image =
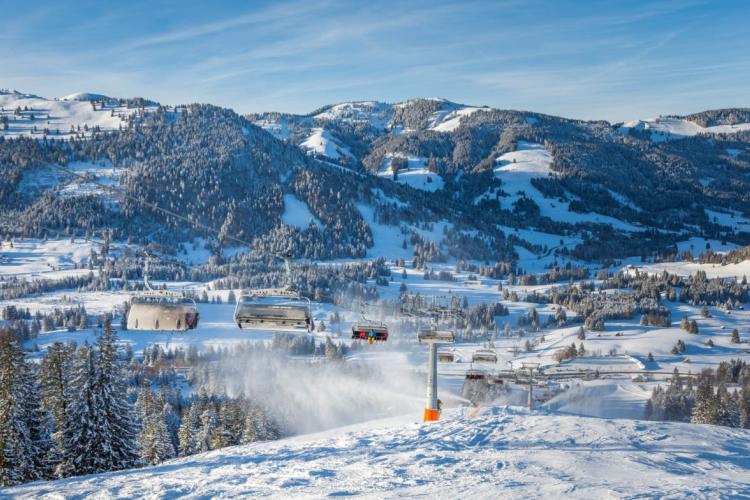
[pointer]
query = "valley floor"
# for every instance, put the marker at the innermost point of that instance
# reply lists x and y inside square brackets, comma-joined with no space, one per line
[502,452]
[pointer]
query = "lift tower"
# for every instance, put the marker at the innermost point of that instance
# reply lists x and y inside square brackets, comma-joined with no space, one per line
[433,338]
[530,367]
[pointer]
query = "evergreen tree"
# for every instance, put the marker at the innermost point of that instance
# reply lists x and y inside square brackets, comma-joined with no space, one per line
[101,434]
[80,455]
[189,430]
[208,425]
[706,409]
[24,426]
[120,449]
[744,407]
[154,440]
[55,366]
[735,338]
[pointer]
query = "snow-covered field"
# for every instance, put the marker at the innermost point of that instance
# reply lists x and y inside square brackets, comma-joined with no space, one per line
[416,174]
[30,115]
[585,424]
[667,128]
[517,168]
[51,259]
[503,452]
[321,142]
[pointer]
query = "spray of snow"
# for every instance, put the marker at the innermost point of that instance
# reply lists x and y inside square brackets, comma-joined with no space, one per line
[309,396]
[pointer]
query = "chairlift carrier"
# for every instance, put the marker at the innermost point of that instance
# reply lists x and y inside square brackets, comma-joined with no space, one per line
[484,356]
[446,356]
[274,308]
[371,331]
[161,310]
[474,374]
[436,336]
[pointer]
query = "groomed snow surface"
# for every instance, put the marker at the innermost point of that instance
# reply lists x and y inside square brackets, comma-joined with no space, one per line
[501,453]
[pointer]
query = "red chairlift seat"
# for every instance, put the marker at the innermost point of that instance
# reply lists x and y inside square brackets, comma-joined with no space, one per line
[371,331]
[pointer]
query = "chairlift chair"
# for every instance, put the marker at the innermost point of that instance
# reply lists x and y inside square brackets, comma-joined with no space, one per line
[484,356]
[371,331]
[474,374]
[275,309]
[436,336]
[161,310]
[446,356]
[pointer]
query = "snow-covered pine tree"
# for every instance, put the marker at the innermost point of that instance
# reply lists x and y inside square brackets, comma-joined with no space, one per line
[706,408]
[80,433]
[119,450]
[188,432]
[101,433]
[154,440]
[208,424]
[744,405]
[24,426]
[230,419]
[38,421]
[53,377]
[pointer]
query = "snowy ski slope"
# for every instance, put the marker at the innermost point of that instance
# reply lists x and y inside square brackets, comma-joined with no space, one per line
[502,453]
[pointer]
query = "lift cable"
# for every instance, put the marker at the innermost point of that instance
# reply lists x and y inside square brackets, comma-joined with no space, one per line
[153,206]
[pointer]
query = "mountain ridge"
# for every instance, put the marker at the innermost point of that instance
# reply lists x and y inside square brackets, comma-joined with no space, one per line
[608,191]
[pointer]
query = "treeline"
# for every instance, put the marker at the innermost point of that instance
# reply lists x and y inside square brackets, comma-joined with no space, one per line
[94,408]
[66,417]
[707,400]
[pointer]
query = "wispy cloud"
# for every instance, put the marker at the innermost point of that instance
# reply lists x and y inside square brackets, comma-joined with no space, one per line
[572,58]
[278,11]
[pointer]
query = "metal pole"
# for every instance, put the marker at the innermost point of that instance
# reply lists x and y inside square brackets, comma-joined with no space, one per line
[531,388]
[432,412]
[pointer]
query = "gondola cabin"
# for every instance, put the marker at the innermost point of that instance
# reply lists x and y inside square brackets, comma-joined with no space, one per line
[370,331]
[484,356]
[162,316]
[262,312]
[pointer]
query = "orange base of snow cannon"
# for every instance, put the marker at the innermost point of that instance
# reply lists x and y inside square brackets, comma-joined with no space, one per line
[431,415]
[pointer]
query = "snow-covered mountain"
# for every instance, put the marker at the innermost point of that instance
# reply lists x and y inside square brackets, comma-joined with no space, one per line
[604,190]
[502,452]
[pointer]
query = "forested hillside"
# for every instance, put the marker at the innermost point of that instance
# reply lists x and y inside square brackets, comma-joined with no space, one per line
[593,190]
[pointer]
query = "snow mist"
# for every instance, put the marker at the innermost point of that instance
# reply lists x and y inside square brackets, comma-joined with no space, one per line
[309,395]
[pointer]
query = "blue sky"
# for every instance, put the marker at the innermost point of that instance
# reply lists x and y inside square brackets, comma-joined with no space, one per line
[609,60]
